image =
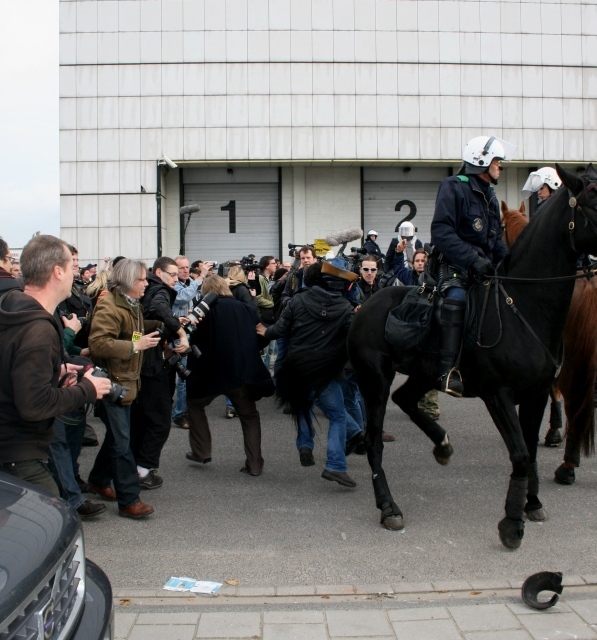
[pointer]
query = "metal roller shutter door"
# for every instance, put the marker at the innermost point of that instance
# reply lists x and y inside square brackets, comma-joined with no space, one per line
[208,236]
[380,199]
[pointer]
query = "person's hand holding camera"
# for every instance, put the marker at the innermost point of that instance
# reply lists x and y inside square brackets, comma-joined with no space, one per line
[72,323]
[148,341]
[205,267]
[102,385]
[401,246]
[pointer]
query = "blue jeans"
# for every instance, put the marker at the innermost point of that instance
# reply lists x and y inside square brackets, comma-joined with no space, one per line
[282,348]
[115,461]
[352,398]
[342,426]
[61,464]
[180,406]
[75,435]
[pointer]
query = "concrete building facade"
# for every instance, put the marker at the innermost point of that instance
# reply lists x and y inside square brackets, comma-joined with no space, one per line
[289,119]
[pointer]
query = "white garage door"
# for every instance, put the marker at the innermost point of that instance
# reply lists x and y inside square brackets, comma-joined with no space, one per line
[236,218]
[382,194]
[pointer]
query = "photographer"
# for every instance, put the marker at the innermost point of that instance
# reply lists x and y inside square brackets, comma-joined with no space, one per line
[37,384]
[230,365]
[187,289]
[150,413]
[117,341]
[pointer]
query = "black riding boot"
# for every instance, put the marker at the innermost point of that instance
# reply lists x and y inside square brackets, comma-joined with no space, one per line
[451,323]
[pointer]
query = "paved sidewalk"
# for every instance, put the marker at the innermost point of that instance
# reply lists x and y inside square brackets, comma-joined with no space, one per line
[443,611]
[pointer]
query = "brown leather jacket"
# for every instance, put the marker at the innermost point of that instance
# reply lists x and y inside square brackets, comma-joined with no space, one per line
[110,341]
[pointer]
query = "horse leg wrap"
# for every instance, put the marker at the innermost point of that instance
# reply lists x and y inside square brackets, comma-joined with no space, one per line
[516,497]
[533,508]
[555,414]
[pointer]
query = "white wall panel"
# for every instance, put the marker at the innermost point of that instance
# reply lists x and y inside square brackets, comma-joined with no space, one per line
[277,79]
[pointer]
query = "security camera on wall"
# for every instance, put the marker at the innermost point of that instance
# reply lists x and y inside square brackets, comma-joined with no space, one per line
[170,163]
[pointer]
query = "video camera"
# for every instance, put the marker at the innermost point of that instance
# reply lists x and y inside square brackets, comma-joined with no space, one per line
[294,249]
[248,264]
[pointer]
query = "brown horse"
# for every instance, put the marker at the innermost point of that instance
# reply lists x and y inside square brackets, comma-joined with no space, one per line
[576,381]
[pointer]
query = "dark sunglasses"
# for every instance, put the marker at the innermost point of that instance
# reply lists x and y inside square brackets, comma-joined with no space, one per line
[373,269]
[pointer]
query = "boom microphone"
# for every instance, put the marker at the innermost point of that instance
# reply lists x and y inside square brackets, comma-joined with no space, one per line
[346,235]
[189,209]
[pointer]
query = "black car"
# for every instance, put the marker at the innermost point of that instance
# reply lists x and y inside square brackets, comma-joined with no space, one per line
[48,589]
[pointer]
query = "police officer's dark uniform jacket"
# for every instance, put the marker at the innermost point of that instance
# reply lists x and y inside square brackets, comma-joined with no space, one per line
[466,224]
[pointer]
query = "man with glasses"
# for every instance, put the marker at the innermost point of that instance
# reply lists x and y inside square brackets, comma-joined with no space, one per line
[466,231]
[150,413]
[187,289]
[368,283]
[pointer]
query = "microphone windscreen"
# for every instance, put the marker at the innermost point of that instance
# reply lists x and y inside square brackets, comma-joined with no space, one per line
[189,209]
[346,235]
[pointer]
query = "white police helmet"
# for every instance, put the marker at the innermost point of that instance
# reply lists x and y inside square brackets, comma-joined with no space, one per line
[407,230]
[372,233]
[480,151]
[536,179]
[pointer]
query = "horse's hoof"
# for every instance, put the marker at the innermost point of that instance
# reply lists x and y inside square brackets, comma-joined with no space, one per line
[393,523]
[443,453]
[511,533]
[564,475]
[537,515]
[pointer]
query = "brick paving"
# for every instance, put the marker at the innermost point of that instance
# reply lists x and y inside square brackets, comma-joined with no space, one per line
[489,610]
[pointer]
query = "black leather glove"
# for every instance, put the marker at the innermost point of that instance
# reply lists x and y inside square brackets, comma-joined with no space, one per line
[482,267]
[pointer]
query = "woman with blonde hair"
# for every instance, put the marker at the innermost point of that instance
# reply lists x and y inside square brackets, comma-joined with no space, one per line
[239,286]
[98,287]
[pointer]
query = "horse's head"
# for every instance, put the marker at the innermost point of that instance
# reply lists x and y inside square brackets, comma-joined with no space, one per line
[513,222]
[582,192]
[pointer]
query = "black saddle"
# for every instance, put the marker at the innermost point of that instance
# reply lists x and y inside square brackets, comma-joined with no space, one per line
[414,325]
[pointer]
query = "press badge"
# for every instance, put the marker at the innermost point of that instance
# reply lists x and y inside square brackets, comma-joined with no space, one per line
[137,335]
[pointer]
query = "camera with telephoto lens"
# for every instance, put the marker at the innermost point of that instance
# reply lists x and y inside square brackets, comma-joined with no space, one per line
[175,360]
[199,312]
[117,392]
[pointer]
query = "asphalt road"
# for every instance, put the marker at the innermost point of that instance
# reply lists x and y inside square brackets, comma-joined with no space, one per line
[289,526]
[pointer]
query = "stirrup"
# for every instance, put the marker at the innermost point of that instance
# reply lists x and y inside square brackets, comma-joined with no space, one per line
[451,383]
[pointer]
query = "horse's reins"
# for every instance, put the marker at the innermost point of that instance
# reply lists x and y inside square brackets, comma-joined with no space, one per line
[587,273]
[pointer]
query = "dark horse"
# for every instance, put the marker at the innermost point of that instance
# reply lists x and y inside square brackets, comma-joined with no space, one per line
[513,362]
[579,370]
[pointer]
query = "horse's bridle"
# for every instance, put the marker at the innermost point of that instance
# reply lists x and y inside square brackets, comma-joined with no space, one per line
[577,206]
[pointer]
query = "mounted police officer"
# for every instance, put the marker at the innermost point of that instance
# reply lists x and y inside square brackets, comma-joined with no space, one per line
[544,182]
[466,231]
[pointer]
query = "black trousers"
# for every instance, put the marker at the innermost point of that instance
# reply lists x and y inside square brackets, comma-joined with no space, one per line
[150,420]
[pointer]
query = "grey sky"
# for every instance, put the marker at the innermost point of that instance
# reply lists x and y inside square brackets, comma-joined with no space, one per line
[29,179]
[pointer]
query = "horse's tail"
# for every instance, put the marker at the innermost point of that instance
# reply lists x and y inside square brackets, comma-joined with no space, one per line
[577,379]
[304,372]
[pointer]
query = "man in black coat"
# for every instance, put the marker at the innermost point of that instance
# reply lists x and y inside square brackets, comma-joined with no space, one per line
[316,323]
[151,411]
[230,365]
